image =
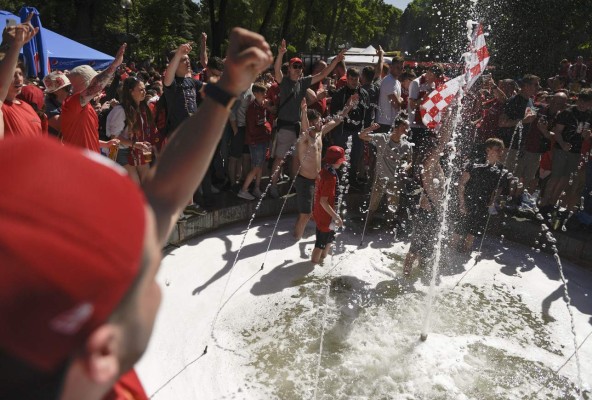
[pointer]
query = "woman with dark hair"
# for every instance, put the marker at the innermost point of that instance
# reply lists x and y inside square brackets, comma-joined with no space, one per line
[132,123]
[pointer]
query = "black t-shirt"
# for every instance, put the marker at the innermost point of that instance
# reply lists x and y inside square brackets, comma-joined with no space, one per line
[573,121]
[358,115]
[182,100]
[483,182]
[515,109]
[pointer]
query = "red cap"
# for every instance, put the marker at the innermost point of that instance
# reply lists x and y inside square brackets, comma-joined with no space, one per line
[32,95]
[71,243]
[295,60]
[334,155]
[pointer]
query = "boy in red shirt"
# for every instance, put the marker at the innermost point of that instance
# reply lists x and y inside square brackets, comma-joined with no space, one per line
[258,133]
[323,211]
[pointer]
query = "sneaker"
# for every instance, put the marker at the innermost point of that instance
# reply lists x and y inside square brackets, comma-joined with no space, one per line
[273,192]
[243,194]
[194,209]
[257,192]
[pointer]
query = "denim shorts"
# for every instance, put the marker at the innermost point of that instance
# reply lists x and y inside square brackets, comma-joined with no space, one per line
[258,154]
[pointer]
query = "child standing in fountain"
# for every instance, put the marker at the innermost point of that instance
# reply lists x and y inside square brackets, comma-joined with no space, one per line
[324,203]
[476,189]
[394,159]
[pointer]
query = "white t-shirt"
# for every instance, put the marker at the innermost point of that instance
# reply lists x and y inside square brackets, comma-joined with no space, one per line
[115,127]
[417,89]
[386,112]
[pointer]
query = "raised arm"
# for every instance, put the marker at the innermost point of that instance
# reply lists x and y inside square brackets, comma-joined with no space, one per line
[379,63]
[171,69]
[304,124]
[277,66]
[99,82]
[203,50]
[13,39]
[351,103]
[327,70]
[365,133]
[187,156]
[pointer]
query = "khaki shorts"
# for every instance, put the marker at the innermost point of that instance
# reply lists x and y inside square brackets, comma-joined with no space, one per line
[284,140]
[528,165]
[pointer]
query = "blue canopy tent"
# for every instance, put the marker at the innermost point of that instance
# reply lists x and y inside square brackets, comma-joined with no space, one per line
[63,53]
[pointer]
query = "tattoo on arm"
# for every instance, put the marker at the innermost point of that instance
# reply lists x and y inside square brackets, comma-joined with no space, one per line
[97,84]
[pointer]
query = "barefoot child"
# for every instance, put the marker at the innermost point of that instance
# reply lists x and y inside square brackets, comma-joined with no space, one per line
[324,203]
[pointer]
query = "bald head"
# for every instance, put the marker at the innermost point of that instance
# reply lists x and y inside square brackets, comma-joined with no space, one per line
[558,101]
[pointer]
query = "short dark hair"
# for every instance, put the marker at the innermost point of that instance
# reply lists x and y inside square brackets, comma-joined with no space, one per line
[529,79]
[585,95]
[402,118]
[353,72]
[368,73]
[312,114]
[494,142]
[258,88]
[407,75]
[437,69]
[216,63]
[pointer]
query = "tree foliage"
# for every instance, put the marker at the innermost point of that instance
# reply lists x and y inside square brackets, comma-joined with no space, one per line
[160,25]
[523,37]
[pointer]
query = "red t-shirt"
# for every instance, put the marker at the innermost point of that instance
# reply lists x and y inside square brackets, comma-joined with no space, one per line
[80,125]
[320,105]
[258,128]
[20,120]
[324,187]
[128,387]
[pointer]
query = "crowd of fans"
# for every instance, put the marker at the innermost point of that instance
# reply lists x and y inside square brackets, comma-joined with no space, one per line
[519,146]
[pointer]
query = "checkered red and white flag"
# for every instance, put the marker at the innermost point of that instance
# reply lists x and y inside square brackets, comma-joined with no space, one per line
[437,101]
[477,58]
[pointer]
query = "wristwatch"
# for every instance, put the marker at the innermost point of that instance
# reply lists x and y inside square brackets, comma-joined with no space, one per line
[219,95]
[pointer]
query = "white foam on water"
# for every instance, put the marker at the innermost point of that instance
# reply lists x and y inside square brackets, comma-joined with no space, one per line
[489,339]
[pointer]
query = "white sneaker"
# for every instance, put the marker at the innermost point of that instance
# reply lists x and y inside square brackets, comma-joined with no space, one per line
[243,194]
[257,192]
[273,192]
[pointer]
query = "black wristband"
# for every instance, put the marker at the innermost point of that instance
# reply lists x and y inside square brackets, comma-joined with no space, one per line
[219,95]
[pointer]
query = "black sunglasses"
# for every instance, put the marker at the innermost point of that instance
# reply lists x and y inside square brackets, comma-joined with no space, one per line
[297,66]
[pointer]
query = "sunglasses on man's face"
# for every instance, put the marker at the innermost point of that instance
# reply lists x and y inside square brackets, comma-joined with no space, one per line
[297,66]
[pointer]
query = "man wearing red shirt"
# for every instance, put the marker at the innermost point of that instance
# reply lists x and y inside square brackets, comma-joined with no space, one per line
[18,117]
[324,203]
[80,123]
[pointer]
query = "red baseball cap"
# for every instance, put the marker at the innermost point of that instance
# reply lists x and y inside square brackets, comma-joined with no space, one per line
[71,242]
[295,60]
[334,155]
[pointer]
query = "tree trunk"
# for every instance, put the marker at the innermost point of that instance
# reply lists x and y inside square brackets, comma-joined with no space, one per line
[84,16]
[332,27]
[307,21]
[287,20]
[218,25]
[267,18]
[339,23]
